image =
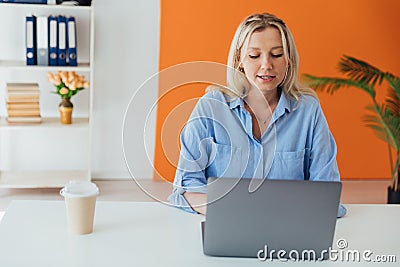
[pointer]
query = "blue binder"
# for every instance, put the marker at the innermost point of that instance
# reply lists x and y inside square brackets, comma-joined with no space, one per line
[30,40]
[71,41]
[62,41]
[53,41]
[25,1]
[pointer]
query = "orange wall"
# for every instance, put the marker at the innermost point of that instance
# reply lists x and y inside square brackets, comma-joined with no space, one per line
[323,31]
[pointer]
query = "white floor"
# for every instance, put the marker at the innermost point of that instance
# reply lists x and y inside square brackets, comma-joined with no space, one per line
[354,191]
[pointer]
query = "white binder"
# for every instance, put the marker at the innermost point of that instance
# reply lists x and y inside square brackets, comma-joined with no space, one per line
[42,41]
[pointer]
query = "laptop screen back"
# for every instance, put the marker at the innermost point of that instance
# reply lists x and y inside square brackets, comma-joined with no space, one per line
[281,214]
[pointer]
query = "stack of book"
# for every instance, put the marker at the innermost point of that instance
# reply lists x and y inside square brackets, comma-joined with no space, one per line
[23,103]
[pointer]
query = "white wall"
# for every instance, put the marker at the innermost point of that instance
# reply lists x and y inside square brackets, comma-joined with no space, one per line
[126,55]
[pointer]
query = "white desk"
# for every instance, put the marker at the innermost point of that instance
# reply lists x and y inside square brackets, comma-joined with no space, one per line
[34,233]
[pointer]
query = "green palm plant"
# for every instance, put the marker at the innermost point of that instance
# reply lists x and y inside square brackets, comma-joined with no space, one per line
[383,118]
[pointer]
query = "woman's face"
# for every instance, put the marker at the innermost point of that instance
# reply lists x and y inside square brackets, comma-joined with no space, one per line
[264,63]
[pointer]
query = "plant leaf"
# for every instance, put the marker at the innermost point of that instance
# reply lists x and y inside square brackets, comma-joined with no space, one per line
[394,83]
[331,85]
[385,125]
[360,71]
[392,102]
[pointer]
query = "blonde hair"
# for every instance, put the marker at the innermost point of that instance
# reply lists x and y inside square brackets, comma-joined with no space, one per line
[238,85]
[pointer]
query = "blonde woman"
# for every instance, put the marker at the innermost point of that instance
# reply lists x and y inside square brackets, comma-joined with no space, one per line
[262,125]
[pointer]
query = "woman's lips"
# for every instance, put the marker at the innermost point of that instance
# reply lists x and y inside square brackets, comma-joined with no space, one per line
[266,78]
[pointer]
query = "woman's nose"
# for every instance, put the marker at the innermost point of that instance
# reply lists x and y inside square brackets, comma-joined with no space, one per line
[266,63]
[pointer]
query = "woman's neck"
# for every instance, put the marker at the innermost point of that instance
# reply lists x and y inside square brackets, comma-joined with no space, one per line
[261,102]
[261,107]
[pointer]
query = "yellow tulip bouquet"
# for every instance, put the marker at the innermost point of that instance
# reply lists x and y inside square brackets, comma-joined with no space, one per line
[67,83]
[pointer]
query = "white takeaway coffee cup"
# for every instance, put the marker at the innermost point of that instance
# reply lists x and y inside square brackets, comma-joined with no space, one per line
[80,201]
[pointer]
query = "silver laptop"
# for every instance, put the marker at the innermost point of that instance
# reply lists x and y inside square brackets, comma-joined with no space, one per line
[298,217]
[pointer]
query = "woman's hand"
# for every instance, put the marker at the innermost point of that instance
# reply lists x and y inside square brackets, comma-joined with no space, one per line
[197,201]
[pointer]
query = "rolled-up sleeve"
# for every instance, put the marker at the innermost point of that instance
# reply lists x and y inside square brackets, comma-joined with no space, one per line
[323,164]
[341,211]
[193,159]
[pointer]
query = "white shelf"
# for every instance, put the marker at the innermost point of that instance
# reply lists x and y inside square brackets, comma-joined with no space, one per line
[41,6]
[40,179]
[29,152]
[46,123]
[21,65]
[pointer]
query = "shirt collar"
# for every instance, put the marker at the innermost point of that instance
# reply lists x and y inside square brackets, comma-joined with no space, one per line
[235,103]
[284,104]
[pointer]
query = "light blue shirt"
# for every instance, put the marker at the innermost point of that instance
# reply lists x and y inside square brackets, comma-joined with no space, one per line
[218,141]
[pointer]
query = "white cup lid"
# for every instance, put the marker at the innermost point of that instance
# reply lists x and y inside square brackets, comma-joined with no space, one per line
[79,189]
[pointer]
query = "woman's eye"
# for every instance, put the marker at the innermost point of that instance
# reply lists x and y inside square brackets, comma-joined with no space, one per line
[253,56]
[276,55]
